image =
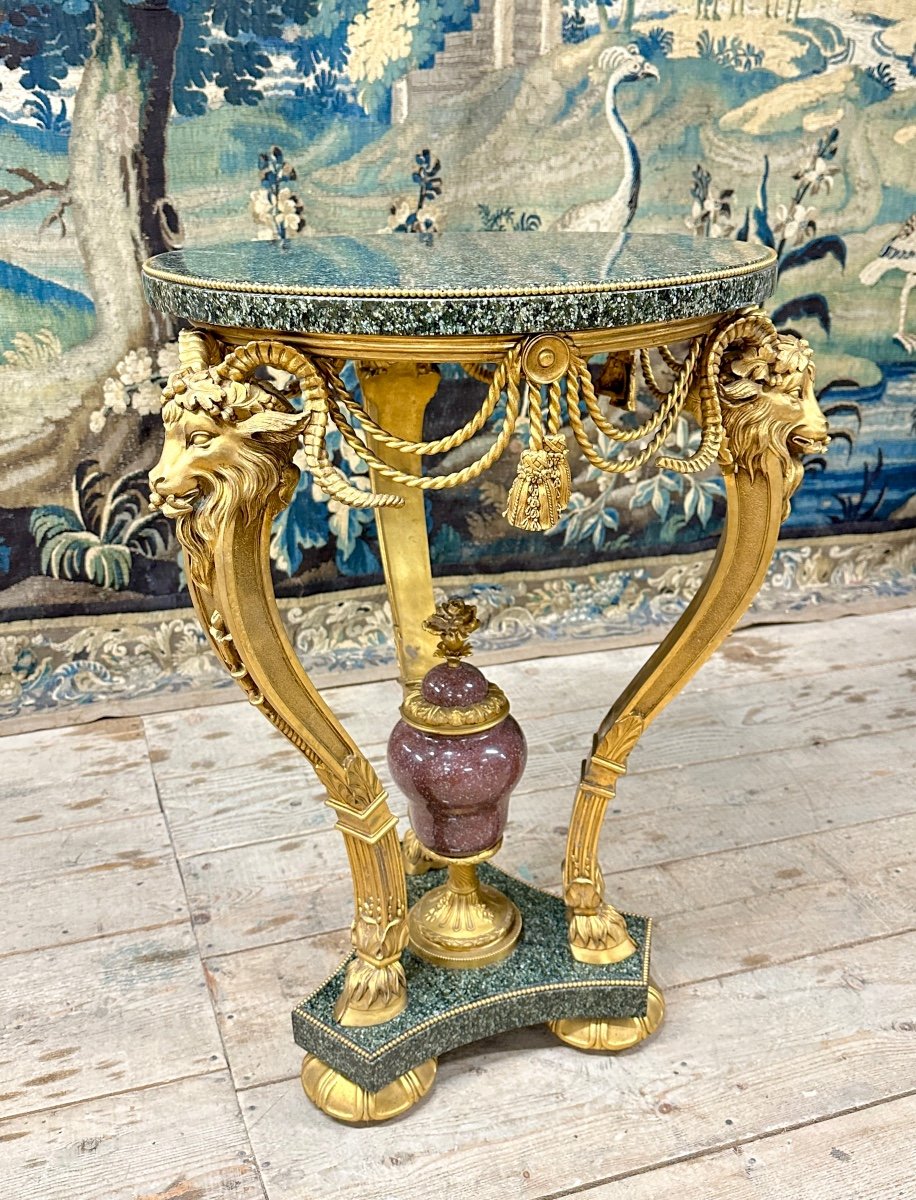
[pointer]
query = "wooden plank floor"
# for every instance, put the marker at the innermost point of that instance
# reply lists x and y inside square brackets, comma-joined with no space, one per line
[170,886]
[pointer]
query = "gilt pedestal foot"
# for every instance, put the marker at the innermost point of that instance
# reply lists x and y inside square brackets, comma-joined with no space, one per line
[346,1101]
[610,1034]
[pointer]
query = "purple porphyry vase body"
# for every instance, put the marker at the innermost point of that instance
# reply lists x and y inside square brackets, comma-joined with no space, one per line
[457,785]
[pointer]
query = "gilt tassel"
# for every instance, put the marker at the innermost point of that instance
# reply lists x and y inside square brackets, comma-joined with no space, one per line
[541,488]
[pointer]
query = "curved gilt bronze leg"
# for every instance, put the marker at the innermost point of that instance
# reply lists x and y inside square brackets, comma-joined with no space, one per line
[770,417]
[226,470]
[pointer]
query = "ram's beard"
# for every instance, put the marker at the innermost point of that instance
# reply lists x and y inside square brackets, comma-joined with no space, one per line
[756,435]
[245,489]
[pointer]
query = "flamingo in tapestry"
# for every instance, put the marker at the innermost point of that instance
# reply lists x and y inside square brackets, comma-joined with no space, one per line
[614,213]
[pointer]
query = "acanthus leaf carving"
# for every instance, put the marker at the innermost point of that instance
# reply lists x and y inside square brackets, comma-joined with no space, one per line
[620,739]
[359,787]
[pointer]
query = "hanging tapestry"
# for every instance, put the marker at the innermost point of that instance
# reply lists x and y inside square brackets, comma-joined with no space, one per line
[131,128]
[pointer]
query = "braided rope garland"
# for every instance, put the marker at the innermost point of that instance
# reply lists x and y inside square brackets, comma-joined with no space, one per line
[542,486]
[507,377]
[342,398]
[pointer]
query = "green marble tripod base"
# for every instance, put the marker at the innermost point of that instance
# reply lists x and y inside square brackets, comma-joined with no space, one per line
[539,982]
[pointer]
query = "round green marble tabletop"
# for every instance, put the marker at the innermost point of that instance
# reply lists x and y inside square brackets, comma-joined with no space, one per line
[459,283]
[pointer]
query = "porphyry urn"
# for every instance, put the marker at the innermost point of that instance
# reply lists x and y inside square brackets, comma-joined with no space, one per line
[457,754]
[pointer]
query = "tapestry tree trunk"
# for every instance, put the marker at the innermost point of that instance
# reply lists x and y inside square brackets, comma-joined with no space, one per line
[104,182]
[156,31]
[120,215]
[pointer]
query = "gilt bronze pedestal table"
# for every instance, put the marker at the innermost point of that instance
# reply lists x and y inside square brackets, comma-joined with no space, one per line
[446,947]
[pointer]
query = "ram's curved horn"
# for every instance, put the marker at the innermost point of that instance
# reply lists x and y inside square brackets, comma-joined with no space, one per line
[241,364]
[750,326]
[197,350]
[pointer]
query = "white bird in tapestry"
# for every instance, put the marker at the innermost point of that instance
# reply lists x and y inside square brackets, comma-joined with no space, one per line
[613,213]
[898,255]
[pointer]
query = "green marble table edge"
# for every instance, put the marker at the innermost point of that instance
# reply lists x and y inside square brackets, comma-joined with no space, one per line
[467,1022]
[494,317]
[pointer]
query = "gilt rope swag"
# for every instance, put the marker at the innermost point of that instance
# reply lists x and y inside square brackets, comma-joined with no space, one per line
[548,365]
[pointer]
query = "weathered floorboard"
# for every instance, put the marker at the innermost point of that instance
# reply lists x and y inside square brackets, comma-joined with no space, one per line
[865,1155]
[268,892]
[254,993]
[178,1141]
[75,776]
[112,1014]
[86,881]
[701,808]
